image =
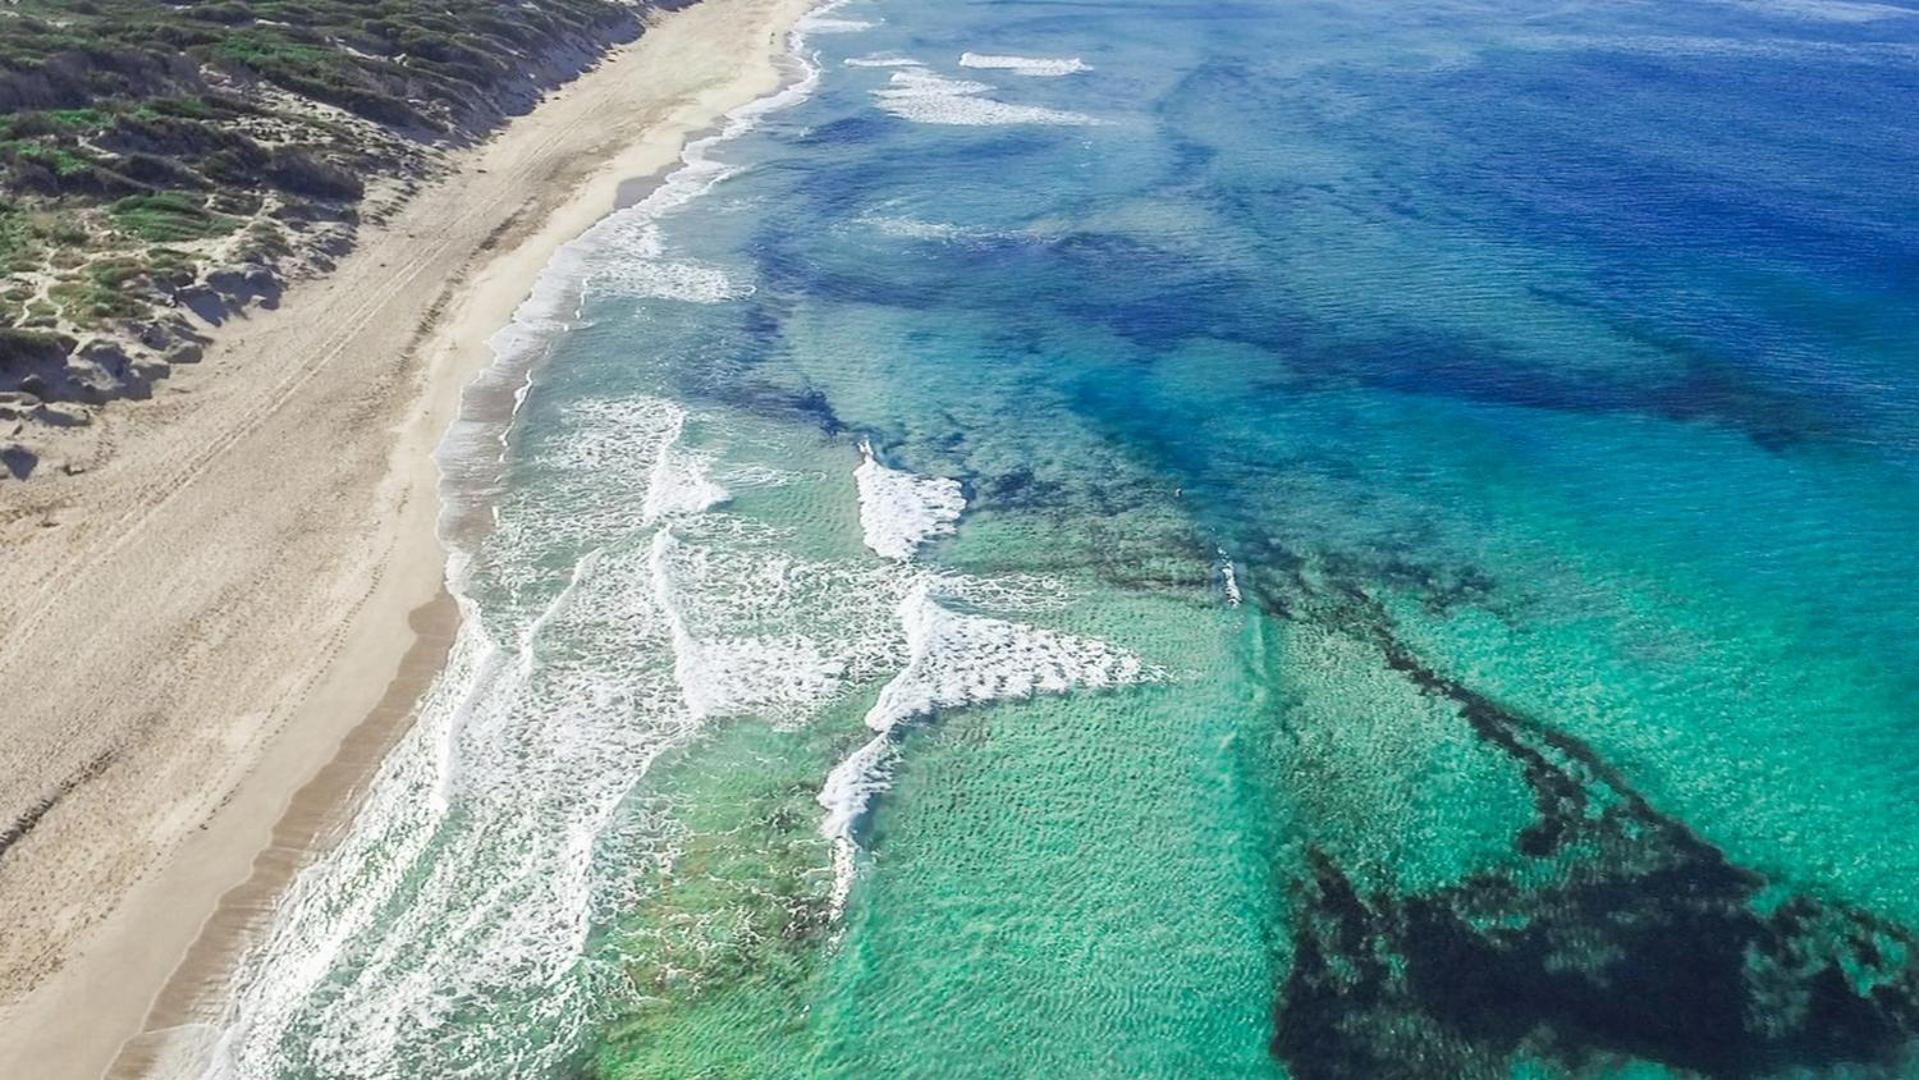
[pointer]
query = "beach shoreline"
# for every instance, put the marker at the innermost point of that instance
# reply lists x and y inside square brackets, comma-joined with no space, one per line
[253,581]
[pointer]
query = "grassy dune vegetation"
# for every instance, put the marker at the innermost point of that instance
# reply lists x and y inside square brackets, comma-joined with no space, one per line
[158,158]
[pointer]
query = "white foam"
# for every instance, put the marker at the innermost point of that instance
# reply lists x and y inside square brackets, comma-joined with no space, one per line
[908,227]
[530,640]
[333,903]
[666,279]
[781,675]
[847,795]
[959,659]
[456,907]
[927,98]
[445,932]
[915,229]
[881,61]
[899,511]
[611,467]
[615,438]
[1036,66]
[453,917]
[818,25]
[678,483]
[1685,46]
[626,252]
[1842,11]
[1229,580]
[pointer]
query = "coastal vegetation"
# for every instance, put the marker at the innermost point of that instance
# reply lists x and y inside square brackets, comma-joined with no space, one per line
[165,165]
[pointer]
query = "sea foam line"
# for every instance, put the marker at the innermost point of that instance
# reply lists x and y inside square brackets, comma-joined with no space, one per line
[1036,66]
[879,61]
[924,97]
[449,942]
[625,252]
[455,910]
[1229,579]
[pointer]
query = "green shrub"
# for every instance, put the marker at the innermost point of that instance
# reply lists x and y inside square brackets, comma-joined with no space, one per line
[61,161]
[115,272]
[16,238]
[83,121]
[175,268]
[89,301]
[41,313]
[169,219]
[227,14]
[65,232]
[111,135]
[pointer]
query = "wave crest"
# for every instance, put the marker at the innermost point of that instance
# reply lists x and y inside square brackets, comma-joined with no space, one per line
[1036,66]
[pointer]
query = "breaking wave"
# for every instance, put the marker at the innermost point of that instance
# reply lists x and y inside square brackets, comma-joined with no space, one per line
[1037,66]
[924,97]
[900,511]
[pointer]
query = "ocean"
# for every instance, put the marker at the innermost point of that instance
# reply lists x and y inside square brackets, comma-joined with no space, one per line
[1168,539]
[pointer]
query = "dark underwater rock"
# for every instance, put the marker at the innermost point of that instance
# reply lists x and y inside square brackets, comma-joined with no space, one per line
[1615,933]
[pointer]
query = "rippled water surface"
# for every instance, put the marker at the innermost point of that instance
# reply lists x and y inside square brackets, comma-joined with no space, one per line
[1346,539]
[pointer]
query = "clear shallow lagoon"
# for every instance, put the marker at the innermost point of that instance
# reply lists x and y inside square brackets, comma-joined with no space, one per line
[1333,540]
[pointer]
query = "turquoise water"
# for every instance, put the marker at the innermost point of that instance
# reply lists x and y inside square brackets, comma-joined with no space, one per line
[1158,540]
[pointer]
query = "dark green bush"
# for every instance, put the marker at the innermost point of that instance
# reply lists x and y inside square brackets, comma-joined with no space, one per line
[169,218]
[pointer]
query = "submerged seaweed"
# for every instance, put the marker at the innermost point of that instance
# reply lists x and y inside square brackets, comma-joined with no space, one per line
[1617,932]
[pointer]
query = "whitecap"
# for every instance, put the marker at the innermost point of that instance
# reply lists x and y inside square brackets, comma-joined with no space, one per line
[899,510]
[1036,66]
[678,483]
[927,98]
[881,61]
[820,24]
[846,796]
[956,659]
[722,675]
[1229,580]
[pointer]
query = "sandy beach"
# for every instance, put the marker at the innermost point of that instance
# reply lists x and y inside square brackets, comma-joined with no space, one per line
[210,637]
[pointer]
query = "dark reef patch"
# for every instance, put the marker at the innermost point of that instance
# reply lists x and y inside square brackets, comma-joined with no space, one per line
[1617,932]
[784,403]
